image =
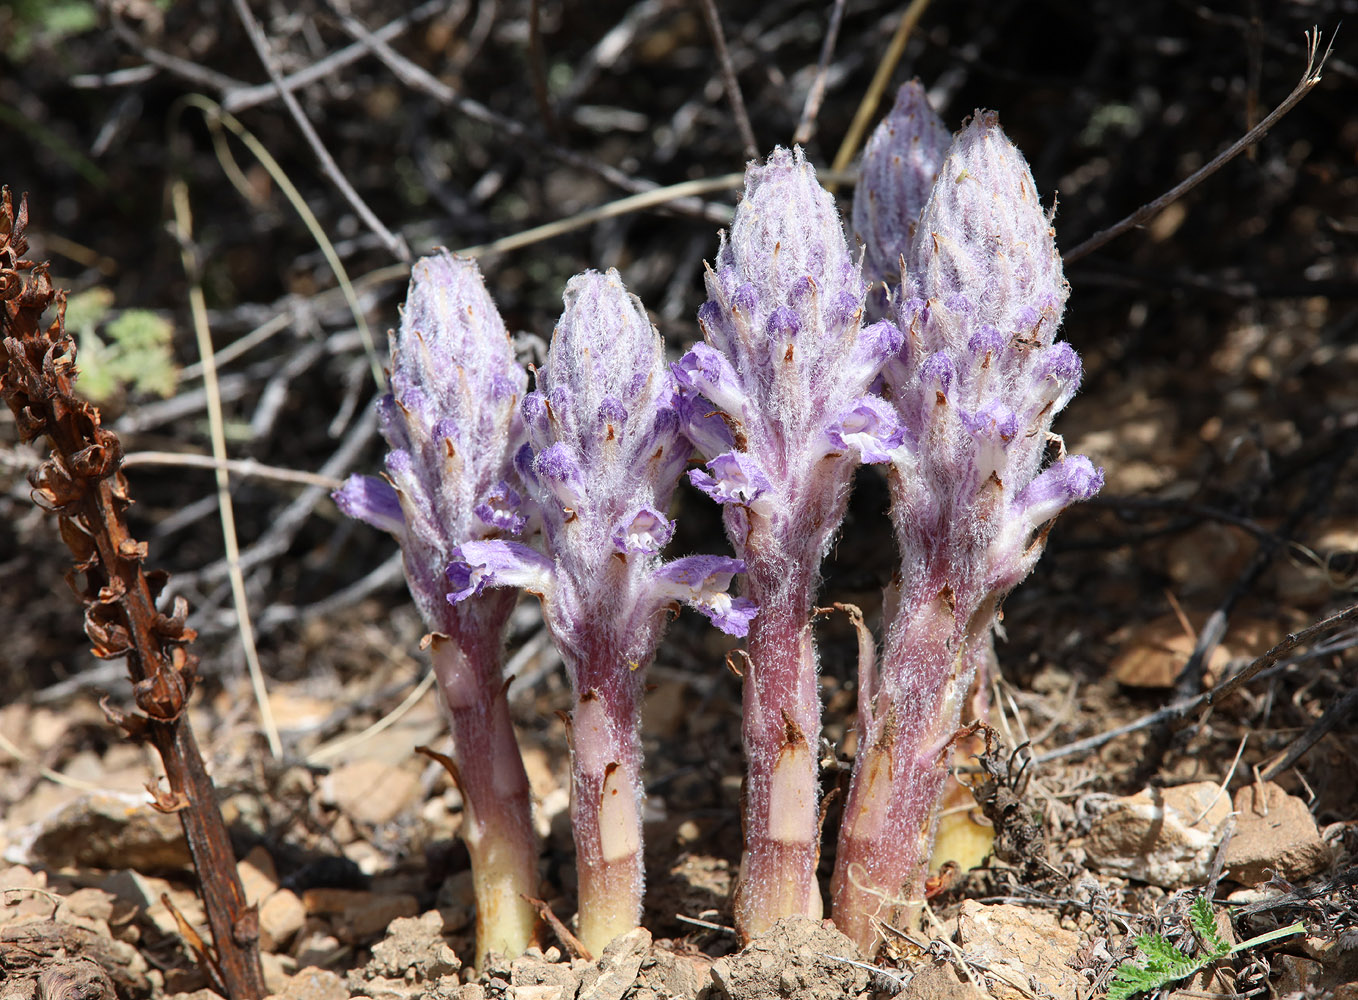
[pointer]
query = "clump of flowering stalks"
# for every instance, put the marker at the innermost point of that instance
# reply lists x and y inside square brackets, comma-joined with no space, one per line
[603,456]
[974,489]
[900,163]
[453,425]
[777,400]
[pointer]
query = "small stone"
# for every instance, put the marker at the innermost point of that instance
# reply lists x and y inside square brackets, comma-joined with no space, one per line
[357,915]
[314,984]
[258,876]
[939,981]
[1023,951]
[617,968]
[108,830]
[1162,836]
[370,792]
[413,948]
[281,916]
[278,969]
[1274,832]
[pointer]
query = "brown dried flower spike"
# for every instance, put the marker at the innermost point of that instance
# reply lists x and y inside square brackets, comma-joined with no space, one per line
[82,483]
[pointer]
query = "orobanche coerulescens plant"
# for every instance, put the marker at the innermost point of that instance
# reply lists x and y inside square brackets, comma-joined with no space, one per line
[453,424]
[604,455]
[565,492]
[786,362]
[974,488]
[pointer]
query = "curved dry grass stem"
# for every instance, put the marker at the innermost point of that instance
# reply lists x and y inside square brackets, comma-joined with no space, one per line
[867,107]
[217,428]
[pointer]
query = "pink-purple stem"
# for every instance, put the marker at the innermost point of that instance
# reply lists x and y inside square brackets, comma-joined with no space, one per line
[606,795]
[781,732]
[497,802]
[908,714]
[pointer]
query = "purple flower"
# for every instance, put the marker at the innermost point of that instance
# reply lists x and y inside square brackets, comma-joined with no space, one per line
[732,478]
[900,162]
[373,501]
[702,581]
[453,426]
[869,427]
[474,566]
[786,368]
[975,385]
[643,530]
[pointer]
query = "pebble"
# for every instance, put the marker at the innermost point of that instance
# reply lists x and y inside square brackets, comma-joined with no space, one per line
[1275,832]
[1023,950]
[1164,836]
[370,792]
[281,916]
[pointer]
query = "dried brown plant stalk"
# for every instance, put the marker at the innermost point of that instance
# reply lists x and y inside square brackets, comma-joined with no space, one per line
[82,483]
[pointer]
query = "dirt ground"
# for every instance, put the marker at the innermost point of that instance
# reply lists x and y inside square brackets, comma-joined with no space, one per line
[1220,345]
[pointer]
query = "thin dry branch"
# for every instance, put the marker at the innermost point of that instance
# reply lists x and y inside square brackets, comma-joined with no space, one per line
[1151,209]
[728,78]
[82,483]
[395,244]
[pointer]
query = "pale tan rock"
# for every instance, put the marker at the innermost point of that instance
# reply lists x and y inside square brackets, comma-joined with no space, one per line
[1162,836]
[357,915]
[1022,950]
[939,981]
[258,876]
[111,830]
[370,792]
[281,916]
[790,962]
[314,984]
[278,969]
[617,968]
[1274,832]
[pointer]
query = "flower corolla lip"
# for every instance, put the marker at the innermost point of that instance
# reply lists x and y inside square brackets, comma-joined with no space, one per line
[474,566]
[706,371]
[702,582]
[643,530]
[501,509]
[868,427]
[371,500]
[734,477]
[556,468]
[1072,479]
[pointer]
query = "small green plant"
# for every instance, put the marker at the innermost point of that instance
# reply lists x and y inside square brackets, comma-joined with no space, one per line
[1164,963]
[134,351]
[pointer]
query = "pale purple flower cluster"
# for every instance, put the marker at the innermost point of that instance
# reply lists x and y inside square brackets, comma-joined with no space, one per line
[900,162]
[778,402]
[452,422]
[604,454]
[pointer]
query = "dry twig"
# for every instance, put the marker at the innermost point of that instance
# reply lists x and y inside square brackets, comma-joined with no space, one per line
[82,483]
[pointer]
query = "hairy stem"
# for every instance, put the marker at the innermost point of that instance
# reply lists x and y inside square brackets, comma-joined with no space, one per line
[606,796]
[891,813]
[497,824]
[780,731]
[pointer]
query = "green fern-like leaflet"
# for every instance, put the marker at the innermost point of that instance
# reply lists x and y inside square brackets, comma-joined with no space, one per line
[1163,963]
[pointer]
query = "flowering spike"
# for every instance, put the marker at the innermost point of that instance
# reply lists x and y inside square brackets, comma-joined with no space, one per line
[900,162]
[983,250]
[983,297]
[605,451]
[452,423]
[787,365]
